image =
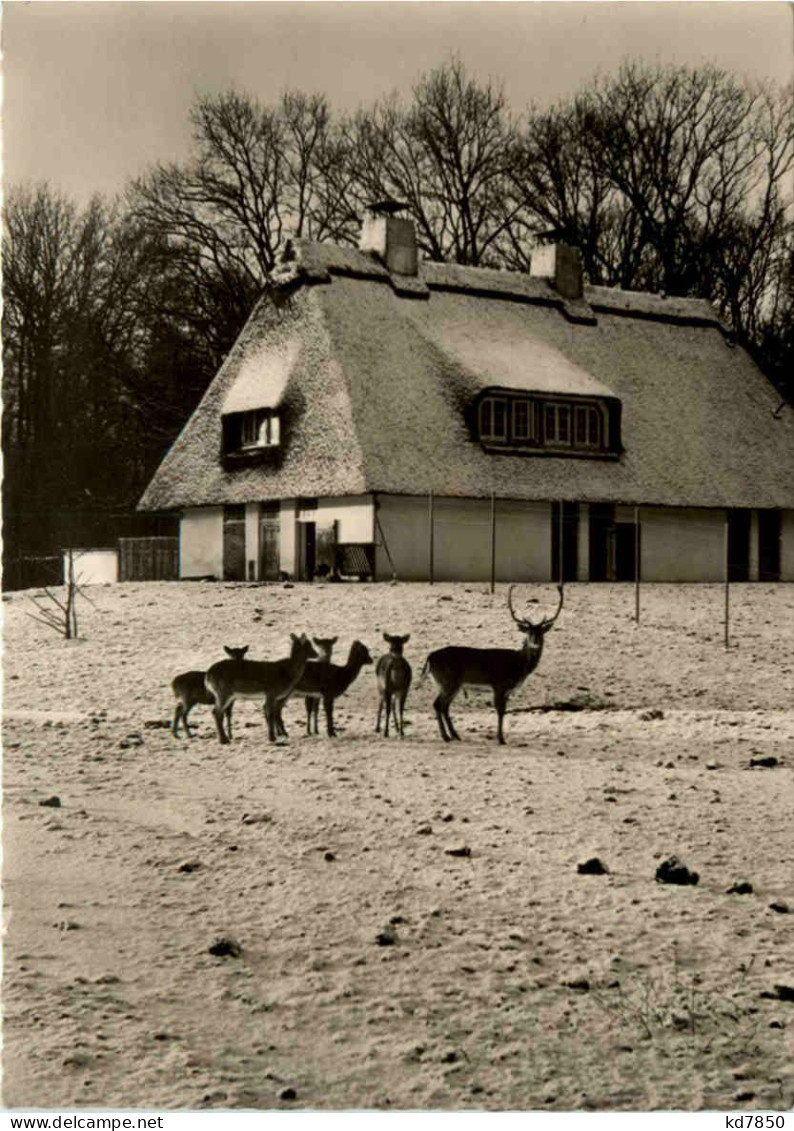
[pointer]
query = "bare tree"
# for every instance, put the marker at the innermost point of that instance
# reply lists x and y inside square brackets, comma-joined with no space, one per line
[448,156]
[697,154]
[258,173]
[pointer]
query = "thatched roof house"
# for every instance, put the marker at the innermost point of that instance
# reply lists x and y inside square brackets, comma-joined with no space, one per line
[363,376]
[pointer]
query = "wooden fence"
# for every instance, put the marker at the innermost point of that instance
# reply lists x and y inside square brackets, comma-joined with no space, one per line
[148,559]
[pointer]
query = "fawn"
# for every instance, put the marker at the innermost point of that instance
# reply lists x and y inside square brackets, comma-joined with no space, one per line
[394,680]
[189,689]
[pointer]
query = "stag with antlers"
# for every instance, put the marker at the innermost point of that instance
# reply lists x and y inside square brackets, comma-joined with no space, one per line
[500,670]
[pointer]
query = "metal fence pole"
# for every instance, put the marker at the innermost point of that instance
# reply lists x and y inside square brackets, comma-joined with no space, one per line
[561,545]
[430,523]
[727,586]
[637,564]
[493,542]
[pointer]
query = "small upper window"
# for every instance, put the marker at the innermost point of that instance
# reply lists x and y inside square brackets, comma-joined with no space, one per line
[251,431]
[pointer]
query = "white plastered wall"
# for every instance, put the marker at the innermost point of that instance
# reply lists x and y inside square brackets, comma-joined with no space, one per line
[461,539]
[682,544]
[201,542]
[354,516]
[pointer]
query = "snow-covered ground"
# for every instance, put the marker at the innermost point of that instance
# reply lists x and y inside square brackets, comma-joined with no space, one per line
[509,979]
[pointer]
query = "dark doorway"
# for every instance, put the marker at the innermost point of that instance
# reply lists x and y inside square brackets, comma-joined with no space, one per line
[269,541]
[234,543]
[769,545]
[738,545]
[308,550]
[625,551]
[601,567]
[570,541]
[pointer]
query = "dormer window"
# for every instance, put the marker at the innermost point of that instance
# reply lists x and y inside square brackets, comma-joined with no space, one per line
[493,419]
[246,433]
[541,423]
[259,429]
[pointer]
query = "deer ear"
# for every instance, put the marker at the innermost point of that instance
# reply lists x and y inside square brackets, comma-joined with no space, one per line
[333,640]
[293,637]
[229,651]
[387,638]
[406,638]
[244,650]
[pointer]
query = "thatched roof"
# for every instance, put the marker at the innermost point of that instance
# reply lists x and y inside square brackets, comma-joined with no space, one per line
[373,374]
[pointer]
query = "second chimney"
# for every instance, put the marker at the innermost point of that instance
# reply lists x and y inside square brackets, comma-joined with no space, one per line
[562,266]
[391,237]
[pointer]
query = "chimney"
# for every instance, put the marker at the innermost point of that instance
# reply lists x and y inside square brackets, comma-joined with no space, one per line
[562,266]
[390,237]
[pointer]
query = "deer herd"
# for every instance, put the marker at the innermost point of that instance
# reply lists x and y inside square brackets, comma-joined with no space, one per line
[309,674]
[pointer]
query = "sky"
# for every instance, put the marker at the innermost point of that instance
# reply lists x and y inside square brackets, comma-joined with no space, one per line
[95,92]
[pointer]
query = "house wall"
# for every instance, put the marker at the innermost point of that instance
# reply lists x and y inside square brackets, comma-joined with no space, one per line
[682,544]
[787,546]
[201,542]
[461,540]
[93,567]
[678,544]
[288,536]
[355,516]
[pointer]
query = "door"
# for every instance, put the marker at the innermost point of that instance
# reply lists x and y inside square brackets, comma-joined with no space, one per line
[234,543]
[602,543]
[308,550]
[769,545]
[738,545]
[625,556]
[269,541]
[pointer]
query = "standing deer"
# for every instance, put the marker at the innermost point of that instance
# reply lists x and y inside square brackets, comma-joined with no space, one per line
[189,689]
[394,680]
[274,681]
[501,670]
[326,682]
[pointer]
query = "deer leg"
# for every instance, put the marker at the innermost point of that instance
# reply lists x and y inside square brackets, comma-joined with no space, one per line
[273,716]
[328,703]
[218,713]
[439,707]
[401,724]
[500,702]
[448,718]
[185,723]
[316,715]
[282,730]
[388,703]
[380,712]
[178,716]
[229,720]
[452,730]
[308,704]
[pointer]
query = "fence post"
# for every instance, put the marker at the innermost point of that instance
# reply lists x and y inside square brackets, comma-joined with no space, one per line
[560,548]
[493,542]
[727,586]
[430,523]
[637,564]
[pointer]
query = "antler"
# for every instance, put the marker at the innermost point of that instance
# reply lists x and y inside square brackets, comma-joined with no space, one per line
[549,621]
[510,604]
[544,622]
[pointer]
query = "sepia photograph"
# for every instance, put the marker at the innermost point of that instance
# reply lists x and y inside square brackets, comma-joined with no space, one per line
[398,557]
